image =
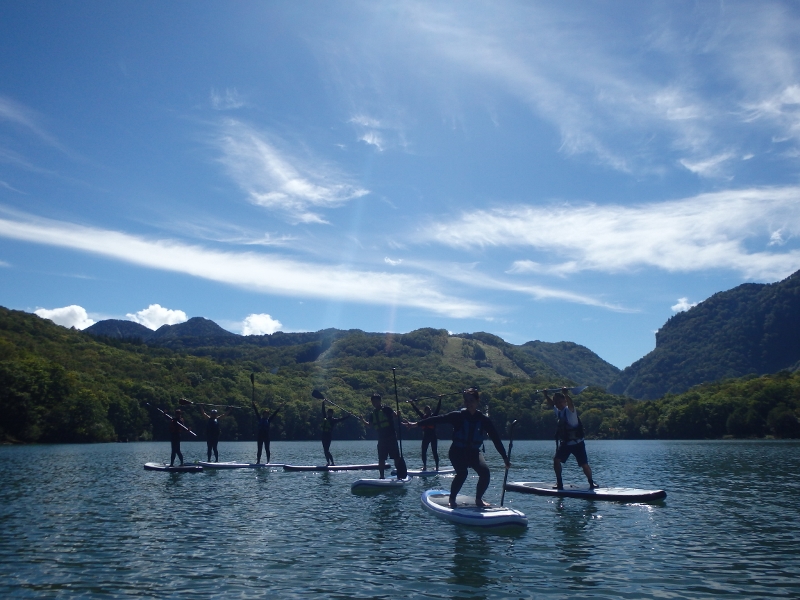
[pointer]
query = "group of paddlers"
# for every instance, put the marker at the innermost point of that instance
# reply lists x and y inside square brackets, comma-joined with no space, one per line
[470,429]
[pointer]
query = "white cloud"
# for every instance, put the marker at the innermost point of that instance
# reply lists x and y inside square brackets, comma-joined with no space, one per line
[373,138]
[392,262]
[260,324]
[277,182]
[155,315]
[708,167]
[709,231]
[266,273]
[227,100]
[682,305]
[67,316]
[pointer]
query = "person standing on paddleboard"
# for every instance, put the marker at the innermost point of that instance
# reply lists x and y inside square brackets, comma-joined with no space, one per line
[469,426]
[175,437]
[382,420]
[328,421]
[212,431]
[428,433]
[569,436]
[264,422]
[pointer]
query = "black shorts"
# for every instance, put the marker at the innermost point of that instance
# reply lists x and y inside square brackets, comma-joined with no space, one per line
[578,450]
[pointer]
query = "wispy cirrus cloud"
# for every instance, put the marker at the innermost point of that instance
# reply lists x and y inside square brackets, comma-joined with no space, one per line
[280,183]
[733,230]
[674,88]
[229,99]
[259,272]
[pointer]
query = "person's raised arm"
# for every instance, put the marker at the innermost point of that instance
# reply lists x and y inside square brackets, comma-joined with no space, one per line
[548,399]
[416,410]
[438,406]
[570,405]
[323,409]
[255,410]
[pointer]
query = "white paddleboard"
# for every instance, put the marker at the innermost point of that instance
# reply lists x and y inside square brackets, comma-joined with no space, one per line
[429,472]
[374,467]
[623,494]
[237,465]
[378,485]
[176,469]
[466,513]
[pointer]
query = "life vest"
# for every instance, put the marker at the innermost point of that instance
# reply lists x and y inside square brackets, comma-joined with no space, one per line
[212,428]
[326,425]
[565,433]
[470,433]
[382,422]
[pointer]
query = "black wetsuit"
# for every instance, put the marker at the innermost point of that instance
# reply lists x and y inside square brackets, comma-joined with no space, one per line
[383,422]
[327,433]
[263,433]
[212,437]
[465,451]
[429,437]
[175,440]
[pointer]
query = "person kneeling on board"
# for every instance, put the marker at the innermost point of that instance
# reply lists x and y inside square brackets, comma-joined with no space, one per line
[569,436]
[382,420]
[469,426]
[328,421]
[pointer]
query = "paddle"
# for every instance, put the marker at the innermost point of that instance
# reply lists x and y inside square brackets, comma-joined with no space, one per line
[400,463]
[185,402]
[319,396]
[510,445]
[253,382]
[574,391]
[170,418]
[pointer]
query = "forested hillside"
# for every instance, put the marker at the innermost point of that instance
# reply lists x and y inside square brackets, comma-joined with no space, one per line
[60,385]
[751,329]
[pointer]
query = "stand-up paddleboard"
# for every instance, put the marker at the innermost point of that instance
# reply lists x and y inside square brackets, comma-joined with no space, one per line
[375,467]
[622,494]
[237,465]
[466,513]
[428,472]
[178,469]
[378,485]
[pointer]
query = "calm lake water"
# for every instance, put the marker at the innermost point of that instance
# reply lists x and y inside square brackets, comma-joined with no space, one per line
[89,521]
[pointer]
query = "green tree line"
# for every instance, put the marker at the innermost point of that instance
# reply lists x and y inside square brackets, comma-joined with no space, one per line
[60,385]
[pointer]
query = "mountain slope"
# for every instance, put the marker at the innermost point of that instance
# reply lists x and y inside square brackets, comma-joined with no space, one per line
[751,329]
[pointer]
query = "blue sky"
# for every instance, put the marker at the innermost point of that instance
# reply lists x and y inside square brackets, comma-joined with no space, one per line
[573,171]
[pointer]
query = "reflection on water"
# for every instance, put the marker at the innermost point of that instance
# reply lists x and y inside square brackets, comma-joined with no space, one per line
[88,520]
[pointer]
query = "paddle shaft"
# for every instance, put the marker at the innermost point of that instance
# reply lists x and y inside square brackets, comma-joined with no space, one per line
[397,404]
[341,409]
[184,401]
[171,419]
[510,445]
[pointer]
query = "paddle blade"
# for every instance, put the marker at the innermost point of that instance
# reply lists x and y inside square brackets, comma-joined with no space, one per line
[184,402]
[400,466]
[318,395]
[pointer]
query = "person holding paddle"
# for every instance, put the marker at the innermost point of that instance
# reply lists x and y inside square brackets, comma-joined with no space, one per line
[428,433]
[328,421]
[382,420]
[469,426]
[212,431]
[569,436]
[176,424]
[264,422]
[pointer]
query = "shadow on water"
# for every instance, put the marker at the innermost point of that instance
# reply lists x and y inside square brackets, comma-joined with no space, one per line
[471,562]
